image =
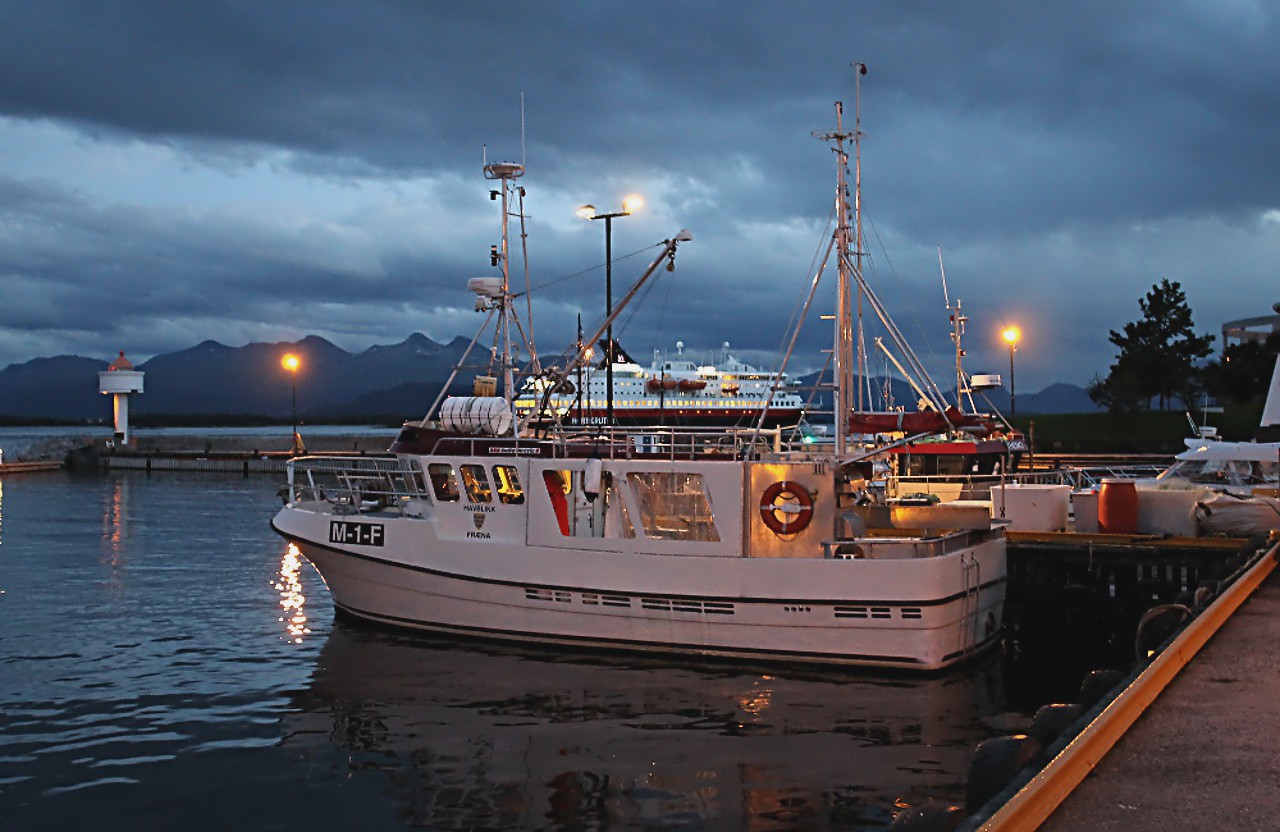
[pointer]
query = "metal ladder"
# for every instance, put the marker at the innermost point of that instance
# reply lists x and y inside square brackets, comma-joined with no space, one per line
[971,604]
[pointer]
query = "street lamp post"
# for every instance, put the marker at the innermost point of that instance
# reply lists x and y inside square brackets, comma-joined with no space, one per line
[291,363]
[1012,335]
[588,212]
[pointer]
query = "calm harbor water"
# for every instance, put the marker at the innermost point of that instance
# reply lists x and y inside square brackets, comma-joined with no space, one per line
[165,660]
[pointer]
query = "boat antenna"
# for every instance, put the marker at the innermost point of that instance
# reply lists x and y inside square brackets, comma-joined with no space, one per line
[943,269]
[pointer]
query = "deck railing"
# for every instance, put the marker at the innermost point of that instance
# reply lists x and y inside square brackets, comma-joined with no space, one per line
[357,483]
[978,487]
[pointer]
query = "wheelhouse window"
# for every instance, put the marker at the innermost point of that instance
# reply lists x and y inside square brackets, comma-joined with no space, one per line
[507,480]
[673,506]
[443,483]
[476,482]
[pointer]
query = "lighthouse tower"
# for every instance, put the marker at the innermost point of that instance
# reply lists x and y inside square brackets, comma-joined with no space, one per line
[120,381]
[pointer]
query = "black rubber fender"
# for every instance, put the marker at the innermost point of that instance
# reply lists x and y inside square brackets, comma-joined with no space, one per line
[994,763]
[1155,627]
[1097,684]
[1051,720]
[930,816]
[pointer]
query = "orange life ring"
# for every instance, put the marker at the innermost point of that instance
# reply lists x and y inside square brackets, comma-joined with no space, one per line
[786,507]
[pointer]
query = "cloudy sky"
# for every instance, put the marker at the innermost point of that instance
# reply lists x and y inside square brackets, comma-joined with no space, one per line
[260,171]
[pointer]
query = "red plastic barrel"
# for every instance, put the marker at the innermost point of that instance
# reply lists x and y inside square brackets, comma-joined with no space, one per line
[1118,507]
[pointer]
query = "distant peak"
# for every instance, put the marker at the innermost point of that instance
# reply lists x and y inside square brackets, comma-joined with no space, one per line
[420,340]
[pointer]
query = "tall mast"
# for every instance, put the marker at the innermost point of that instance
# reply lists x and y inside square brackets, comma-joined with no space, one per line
[844,307]
[506,173]
[860,70]
[957,333]
[848,237]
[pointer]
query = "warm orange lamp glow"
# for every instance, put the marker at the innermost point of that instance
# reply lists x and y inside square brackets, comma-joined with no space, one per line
[291,362]
[1012,335]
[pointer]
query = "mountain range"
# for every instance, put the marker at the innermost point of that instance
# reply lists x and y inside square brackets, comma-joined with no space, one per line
[213,378]
[385,382]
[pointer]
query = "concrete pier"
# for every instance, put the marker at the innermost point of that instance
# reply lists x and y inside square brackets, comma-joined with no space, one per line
[230,454]
[28,467]
[1204,755]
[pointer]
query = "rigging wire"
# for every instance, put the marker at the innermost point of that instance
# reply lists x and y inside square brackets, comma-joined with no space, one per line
[915,319]
[587,270]
[524,255]
[823,240]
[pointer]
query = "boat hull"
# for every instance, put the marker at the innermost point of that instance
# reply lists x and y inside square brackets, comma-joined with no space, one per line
[920,614]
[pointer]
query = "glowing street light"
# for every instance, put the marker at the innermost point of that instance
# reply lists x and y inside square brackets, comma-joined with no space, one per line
[291,362]
[1012,335]
[633,202]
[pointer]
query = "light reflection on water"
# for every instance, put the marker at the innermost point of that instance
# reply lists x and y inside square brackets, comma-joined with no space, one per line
[113,517]
[292,599]
[166,658]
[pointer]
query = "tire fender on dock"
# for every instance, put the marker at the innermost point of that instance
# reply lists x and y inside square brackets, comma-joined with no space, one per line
[994,764]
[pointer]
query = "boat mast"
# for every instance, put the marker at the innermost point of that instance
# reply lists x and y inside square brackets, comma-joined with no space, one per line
[957,332]
[848,237]
[860,69]
[506,173]
[843,348]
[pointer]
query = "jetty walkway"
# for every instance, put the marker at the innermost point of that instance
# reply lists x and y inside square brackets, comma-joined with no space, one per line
[29,467]
[1204,754]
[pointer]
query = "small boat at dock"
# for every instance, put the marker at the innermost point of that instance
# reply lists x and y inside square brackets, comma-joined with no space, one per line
[503,523]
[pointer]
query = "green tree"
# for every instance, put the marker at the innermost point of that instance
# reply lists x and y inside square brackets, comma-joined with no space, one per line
[1243,373]
[1158,355]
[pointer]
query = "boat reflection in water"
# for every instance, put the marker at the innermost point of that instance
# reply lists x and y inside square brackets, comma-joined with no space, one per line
[485,737]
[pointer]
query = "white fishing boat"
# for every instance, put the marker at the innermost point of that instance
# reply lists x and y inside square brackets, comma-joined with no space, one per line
[708,543]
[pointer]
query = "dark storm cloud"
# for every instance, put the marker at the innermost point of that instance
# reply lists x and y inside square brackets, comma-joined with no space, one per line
[1058,155]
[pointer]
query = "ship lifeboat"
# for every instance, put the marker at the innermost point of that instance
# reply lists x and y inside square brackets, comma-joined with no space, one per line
[688,384]
[655,385]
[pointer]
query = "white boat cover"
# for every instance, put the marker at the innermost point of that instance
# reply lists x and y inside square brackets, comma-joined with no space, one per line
[1233,515]
[1212,450]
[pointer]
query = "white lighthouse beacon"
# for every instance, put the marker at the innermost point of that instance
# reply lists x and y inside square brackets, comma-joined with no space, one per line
[120,381]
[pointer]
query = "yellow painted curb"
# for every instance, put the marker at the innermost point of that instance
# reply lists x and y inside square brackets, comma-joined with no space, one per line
[1037,800]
